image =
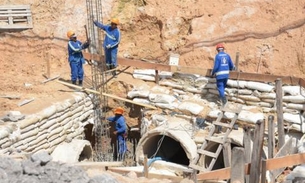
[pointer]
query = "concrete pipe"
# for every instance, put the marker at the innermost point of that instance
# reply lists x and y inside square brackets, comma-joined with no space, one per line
[173,144]
[73,152]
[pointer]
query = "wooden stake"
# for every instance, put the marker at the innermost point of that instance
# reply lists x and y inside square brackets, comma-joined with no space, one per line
[145,166]
[105,94]
[279,109]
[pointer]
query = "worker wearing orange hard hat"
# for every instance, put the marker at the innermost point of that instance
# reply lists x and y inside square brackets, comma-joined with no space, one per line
[111,41]
[76,58]
[222,66]
[120,131]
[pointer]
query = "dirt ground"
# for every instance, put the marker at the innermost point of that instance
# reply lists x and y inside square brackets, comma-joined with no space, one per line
[268,34]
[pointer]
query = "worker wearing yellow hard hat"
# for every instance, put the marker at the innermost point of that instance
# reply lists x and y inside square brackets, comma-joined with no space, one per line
[111,42]
[76,59]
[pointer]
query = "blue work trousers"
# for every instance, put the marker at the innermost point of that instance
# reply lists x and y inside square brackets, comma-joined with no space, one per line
[221,85]
[122,147]
[111,56]
[77,70]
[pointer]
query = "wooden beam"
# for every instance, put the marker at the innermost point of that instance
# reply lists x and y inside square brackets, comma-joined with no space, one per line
[201,71]
[105,94]
[271,164]
[257,152]
[150,175]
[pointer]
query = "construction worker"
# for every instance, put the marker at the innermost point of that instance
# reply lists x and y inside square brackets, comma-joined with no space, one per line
[111,42]
[222,65]
[76,58]
[120,131]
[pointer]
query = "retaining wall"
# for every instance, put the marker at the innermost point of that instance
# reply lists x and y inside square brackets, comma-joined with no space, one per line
[61,122]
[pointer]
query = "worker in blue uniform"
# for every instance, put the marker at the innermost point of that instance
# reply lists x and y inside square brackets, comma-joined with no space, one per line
[222,66]
[120,131]
[76,58]
[111,42]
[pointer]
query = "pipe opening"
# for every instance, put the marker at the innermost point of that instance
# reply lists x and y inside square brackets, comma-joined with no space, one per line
[166,148]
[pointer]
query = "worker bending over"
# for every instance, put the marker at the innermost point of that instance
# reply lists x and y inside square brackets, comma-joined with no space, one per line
[120,131]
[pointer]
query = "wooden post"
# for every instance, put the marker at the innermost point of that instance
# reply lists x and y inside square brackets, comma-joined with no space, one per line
[247,149]
[257,151]
[238,165]
[237,61]
[157,77]
[145,166]
[271,140]
[279,109]
[227,154]
[264,170]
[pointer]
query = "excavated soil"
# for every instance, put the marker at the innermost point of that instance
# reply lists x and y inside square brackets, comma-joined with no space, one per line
[268,34]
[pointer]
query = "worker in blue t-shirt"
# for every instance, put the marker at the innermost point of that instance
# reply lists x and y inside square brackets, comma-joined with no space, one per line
[222,65]
[120,131]
[111,42]
[76,58]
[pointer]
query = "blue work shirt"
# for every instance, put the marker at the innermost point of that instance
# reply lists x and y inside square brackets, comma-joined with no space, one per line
[75,50]
[120,125]
[112,37]
[222,66]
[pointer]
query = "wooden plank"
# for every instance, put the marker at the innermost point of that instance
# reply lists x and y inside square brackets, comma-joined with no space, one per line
[271,138]
[105,94]
[247,148]
[279,112]
[238,165]
[257,151]
[15,15]
[16,26]
[264,171]
[15,7]
[150,175]
[15,11]
[285,150]
[271,164]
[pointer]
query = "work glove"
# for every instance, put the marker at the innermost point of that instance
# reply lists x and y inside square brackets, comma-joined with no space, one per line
[108,46]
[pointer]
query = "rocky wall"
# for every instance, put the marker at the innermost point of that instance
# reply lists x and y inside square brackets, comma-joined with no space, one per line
[61,122]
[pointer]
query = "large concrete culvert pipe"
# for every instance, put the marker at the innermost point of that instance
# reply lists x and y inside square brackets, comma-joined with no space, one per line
[175,145]
[170,144]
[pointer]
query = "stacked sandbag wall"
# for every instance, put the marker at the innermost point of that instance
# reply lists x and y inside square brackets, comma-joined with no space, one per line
[247,93]
[61,122]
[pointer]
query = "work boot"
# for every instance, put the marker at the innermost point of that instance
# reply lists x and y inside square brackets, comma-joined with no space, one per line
[224,101]
[74,82]
[80,82]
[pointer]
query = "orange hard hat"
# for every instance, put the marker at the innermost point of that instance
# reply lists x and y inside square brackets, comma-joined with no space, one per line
[219,45]
[115,21]
[119,110]
[71,33]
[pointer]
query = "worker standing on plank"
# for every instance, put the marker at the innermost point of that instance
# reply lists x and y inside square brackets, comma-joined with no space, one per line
[222,65]
[76,58]
[111,42]
[120,131]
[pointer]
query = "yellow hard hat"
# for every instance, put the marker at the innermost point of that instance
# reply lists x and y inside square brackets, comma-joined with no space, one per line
[119,110]
[70,33]
[115,21]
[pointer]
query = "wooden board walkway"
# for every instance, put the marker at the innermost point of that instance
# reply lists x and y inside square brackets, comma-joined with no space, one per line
[14,17]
